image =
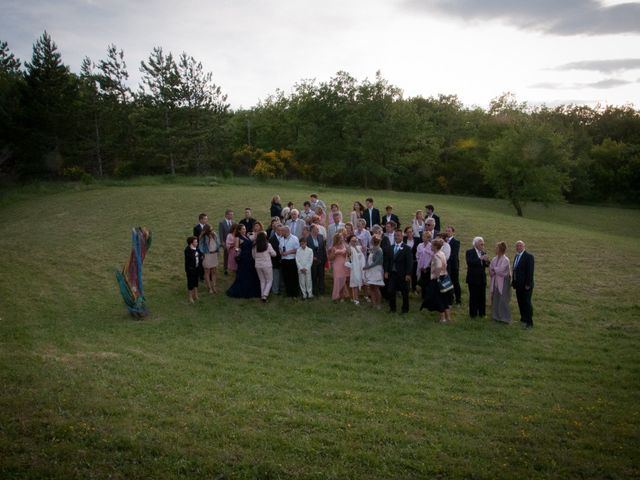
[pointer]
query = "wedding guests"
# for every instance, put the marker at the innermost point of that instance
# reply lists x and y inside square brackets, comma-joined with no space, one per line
[430,214]
[335,209]
[363,235]
[334,228]
[500,285]
[295,223]
[263,253]
[357,212]
[418,223]
[523,266]
[390,216]
[316,202]
[371,214]
[203,219]
[318,246]
[424,254]
[230,247]
[224,229]
[412,243]
[208,246]
[246,284]
[374,271]
[276,207]
[248,221]
[477,263]
[453,265]
[274,241]
[398,271]
[356,264]
[435,299]
[304,261]
[191,264]
[289,244]
[337,256]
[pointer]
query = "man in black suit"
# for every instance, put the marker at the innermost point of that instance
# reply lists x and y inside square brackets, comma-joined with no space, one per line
[523,266]
[390,217]
[397,269]
[477,262]
[203,219]
[316,243]
[224,228]
[371,215]
[248,221]
[274,240]
[431,214]
[453,265]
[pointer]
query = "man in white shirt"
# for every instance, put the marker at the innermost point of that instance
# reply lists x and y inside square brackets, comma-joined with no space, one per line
[334,228]
[304,262]
[289,244]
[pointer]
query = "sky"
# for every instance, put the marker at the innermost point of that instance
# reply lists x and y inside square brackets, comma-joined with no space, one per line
[543,51]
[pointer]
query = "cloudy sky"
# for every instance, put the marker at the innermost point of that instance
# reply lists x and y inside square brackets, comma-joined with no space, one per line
[544,51]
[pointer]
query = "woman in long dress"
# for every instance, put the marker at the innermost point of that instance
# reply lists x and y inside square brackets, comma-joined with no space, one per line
[500,285]
[246,283]
[208,245]
[374,271]
[356,213]
[356,278]
[337,255]
[437,301]
[230,243]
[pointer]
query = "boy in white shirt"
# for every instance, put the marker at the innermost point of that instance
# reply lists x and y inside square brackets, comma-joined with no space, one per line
[304,261]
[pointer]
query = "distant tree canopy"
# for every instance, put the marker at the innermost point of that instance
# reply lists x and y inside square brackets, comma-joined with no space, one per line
[56,123]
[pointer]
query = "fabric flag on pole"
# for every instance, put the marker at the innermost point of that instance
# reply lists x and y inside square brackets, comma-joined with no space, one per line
[130,279]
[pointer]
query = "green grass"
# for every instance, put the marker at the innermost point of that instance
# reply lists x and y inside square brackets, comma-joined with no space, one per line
[237,389]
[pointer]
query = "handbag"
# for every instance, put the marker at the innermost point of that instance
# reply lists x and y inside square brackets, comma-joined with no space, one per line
[444,283]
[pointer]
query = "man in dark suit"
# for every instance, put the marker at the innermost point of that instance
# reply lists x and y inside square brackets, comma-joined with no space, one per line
[203,219]
[397,269]
[390,217]
[371,215]
[431,214]
[224,228]
[453,265]
[316,243]
[477,262]
[274,240]
[248,221]
[523,266]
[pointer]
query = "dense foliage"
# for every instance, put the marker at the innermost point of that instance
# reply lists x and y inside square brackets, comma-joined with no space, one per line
[54,122]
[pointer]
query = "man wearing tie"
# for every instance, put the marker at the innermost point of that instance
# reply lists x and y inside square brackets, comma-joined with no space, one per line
[224,228]
[316,243]
[371,215]
[522,282]
[203,219]
[477,263]
[398,270]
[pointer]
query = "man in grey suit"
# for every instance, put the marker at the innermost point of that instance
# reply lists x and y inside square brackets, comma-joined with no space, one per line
[333,228]
[295,224]
[224,228]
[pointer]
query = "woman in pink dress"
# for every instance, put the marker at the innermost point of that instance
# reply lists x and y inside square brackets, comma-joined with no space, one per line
[500,273]
[230,243]
[338,255]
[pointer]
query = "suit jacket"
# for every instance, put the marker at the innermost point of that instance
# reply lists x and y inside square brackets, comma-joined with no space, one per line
[476,274]
[394,218]
[454,258]
[416,242]
[296,227]
[319,252]
[385,245]
[375,214]
[523,273]
[401,262]
[190,263]
[249,223]
[197,230]
[437,219]
[275,243]
[223,231]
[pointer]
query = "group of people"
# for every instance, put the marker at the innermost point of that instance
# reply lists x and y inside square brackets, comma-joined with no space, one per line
[370,256]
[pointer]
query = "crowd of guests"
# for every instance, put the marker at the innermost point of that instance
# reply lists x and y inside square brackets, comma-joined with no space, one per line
[371,257]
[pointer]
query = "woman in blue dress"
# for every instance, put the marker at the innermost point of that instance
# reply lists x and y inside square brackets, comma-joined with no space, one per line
[247,283]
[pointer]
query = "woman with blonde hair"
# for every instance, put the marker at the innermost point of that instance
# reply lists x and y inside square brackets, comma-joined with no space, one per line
[356,259]
[337,256]
[499,285]
[437,300]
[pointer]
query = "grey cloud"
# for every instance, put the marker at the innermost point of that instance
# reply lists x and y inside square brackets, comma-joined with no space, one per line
[601,84]
[566,17]
[603,66]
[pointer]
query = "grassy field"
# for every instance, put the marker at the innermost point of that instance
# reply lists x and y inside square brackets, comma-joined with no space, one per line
[237,389]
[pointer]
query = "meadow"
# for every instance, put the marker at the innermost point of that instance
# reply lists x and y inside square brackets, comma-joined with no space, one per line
[232,388]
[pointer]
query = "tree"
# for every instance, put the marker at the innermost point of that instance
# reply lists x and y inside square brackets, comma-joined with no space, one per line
[11,82]
[528,162]
[48,97]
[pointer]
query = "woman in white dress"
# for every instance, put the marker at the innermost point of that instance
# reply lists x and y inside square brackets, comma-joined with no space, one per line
[374,272]
[356,257]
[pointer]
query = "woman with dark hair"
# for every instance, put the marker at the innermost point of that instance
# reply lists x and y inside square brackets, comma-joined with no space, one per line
[191,263]
[262,253]
[246,284]
[412,242]
[276,207]
[208,246]
[356,213]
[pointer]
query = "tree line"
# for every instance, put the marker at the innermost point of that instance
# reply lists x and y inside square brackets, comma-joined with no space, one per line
[57,123]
